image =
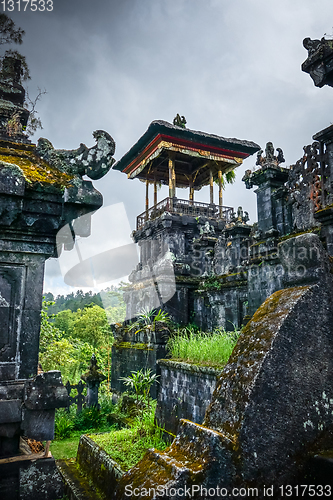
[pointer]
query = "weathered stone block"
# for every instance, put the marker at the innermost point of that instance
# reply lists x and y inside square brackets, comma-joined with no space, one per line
[10,411]
[38,424]
[40,480]
[98,466]
[45,391]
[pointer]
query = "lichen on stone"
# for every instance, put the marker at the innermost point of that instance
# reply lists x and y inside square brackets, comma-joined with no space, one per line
[35,170]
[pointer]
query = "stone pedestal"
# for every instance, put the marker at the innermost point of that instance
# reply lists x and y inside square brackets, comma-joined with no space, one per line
[176,250]
[93,378]
[271,197]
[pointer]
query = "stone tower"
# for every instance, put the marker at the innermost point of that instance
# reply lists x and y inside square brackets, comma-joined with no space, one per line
[177,236]
[41,190]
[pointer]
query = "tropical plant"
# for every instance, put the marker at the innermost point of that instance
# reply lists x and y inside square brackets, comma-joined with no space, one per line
[228,178]
[140,382]
[63,424]
[147,319]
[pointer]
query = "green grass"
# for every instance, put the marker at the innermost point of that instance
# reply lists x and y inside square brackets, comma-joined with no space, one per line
[65,448]
[205,348]
[128,445]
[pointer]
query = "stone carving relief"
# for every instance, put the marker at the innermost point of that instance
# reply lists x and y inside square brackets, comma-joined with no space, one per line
[94,162]
[308,178]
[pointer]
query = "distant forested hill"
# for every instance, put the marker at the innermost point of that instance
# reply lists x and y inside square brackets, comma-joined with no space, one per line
[111,297]
[77,325]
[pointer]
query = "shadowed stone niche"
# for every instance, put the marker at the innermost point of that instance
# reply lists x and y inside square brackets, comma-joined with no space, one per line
[273,404]
[39,194]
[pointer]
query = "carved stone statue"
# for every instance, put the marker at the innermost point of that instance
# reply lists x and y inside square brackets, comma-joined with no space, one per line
[319,61]
[94,162]
[312,45]
[269,152]
[179,121]
[270,158]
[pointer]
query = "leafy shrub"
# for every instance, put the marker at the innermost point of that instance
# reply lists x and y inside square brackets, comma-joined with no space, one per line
[64,424]
[140,381]
[88,418]
[105,402]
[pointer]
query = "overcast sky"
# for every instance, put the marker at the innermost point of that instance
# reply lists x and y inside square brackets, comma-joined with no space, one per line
[231,68]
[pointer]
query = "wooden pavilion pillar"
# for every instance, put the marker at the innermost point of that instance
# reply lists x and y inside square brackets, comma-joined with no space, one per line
[172,178]
[220,191]
[155,190]
[211,184]
[147,198]
[191,197]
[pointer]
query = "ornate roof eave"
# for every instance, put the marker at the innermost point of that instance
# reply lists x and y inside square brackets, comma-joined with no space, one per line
[224,162]
[199,142]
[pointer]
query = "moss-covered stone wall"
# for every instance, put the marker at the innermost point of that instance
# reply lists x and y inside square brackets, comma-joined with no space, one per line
[184,391]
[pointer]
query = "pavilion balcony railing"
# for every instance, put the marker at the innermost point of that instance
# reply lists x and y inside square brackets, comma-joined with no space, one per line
[185,207]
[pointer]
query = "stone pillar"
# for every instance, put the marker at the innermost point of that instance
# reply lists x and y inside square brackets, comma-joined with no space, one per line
[155,190]
[267,181]
[41,190]
[93,378]
[269,177]
[325,215]
[191,197]
[172,179]
[238,250]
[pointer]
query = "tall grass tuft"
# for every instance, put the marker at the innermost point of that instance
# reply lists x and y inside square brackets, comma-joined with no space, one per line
[202,347]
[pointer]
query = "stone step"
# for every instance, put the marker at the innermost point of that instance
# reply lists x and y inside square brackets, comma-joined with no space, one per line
[77,486]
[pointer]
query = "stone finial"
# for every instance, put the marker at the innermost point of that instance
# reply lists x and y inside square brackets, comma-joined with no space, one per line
[93,374]
[270,159]
[11,70]
[93,378]
[242,216]
[312,45]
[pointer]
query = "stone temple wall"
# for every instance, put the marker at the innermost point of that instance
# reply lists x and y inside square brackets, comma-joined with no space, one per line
[216,274]
[185,391]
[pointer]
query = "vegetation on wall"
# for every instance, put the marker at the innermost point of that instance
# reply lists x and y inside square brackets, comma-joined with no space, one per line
[206,348]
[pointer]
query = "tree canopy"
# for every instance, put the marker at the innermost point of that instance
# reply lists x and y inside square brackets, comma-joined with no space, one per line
[8,31]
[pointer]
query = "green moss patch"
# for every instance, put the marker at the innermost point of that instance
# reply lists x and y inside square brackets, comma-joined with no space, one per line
[35,169]
[128,445]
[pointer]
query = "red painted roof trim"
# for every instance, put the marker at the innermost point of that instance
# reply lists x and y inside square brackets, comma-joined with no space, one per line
[153,145]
